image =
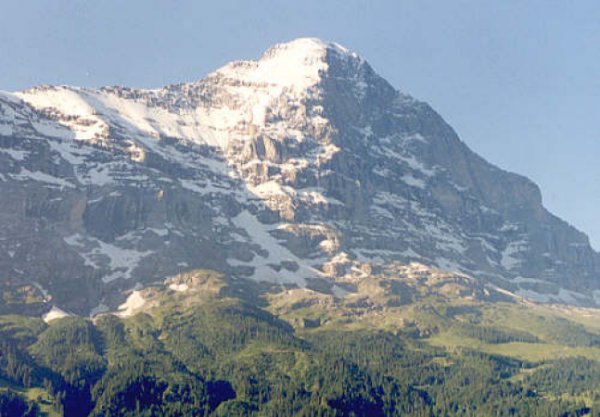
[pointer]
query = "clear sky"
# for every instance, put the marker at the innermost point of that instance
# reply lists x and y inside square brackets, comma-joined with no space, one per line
[518,80]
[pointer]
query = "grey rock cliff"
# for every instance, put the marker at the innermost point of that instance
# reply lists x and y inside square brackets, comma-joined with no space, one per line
[302,168]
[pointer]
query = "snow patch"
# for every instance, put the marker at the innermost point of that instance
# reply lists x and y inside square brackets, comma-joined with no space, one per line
[134,302]
[98,254]
[268,267]
[54,314]
[39,176]
[412,181]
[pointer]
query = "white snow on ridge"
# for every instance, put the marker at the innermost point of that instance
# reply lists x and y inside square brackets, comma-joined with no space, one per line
[69,109]
[295,64]
[88,114]
[138,119]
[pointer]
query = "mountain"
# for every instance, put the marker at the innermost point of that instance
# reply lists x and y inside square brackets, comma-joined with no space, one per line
[303,169]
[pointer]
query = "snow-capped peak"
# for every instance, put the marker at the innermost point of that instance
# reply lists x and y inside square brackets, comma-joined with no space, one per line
[306,47]
[302,165]
[298,64]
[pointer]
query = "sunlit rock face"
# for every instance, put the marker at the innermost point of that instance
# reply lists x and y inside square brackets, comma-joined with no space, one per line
[297,169]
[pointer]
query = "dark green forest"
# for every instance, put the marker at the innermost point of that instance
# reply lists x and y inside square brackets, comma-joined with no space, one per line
[235,359]
[223,356]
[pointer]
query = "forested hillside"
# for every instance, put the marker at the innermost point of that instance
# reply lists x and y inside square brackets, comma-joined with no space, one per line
[198,350]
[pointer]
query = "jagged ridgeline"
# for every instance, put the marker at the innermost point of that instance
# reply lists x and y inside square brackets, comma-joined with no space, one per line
[426,343]
[296,169]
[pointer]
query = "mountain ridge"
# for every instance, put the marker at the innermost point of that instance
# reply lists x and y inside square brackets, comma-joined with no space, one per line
[301,176]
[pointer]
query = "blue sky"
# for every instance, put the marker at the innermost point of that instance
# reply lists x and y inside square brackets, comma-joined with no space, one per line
[518,80]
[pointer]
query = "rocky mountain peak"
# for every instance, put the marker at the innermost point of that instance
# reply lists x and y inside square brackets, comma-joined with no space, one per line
[295,65]
[307,47]
[303,168]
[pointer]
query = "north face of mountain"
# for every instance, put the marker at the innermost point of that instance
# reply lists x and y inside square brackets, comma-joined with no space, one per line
[304,168]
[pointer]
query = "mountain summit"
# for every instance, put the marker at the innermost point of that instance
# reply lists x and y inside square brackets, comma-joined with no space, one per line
[304,168]
[296,65]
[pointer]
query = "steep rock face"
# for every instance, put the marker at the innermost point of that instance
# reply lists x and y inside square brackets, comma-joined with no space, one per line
[302,168]
[476,215]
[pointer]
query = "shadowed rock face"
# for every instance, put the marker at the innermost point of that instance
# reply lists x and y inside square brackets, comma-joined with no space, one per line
[296,169]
